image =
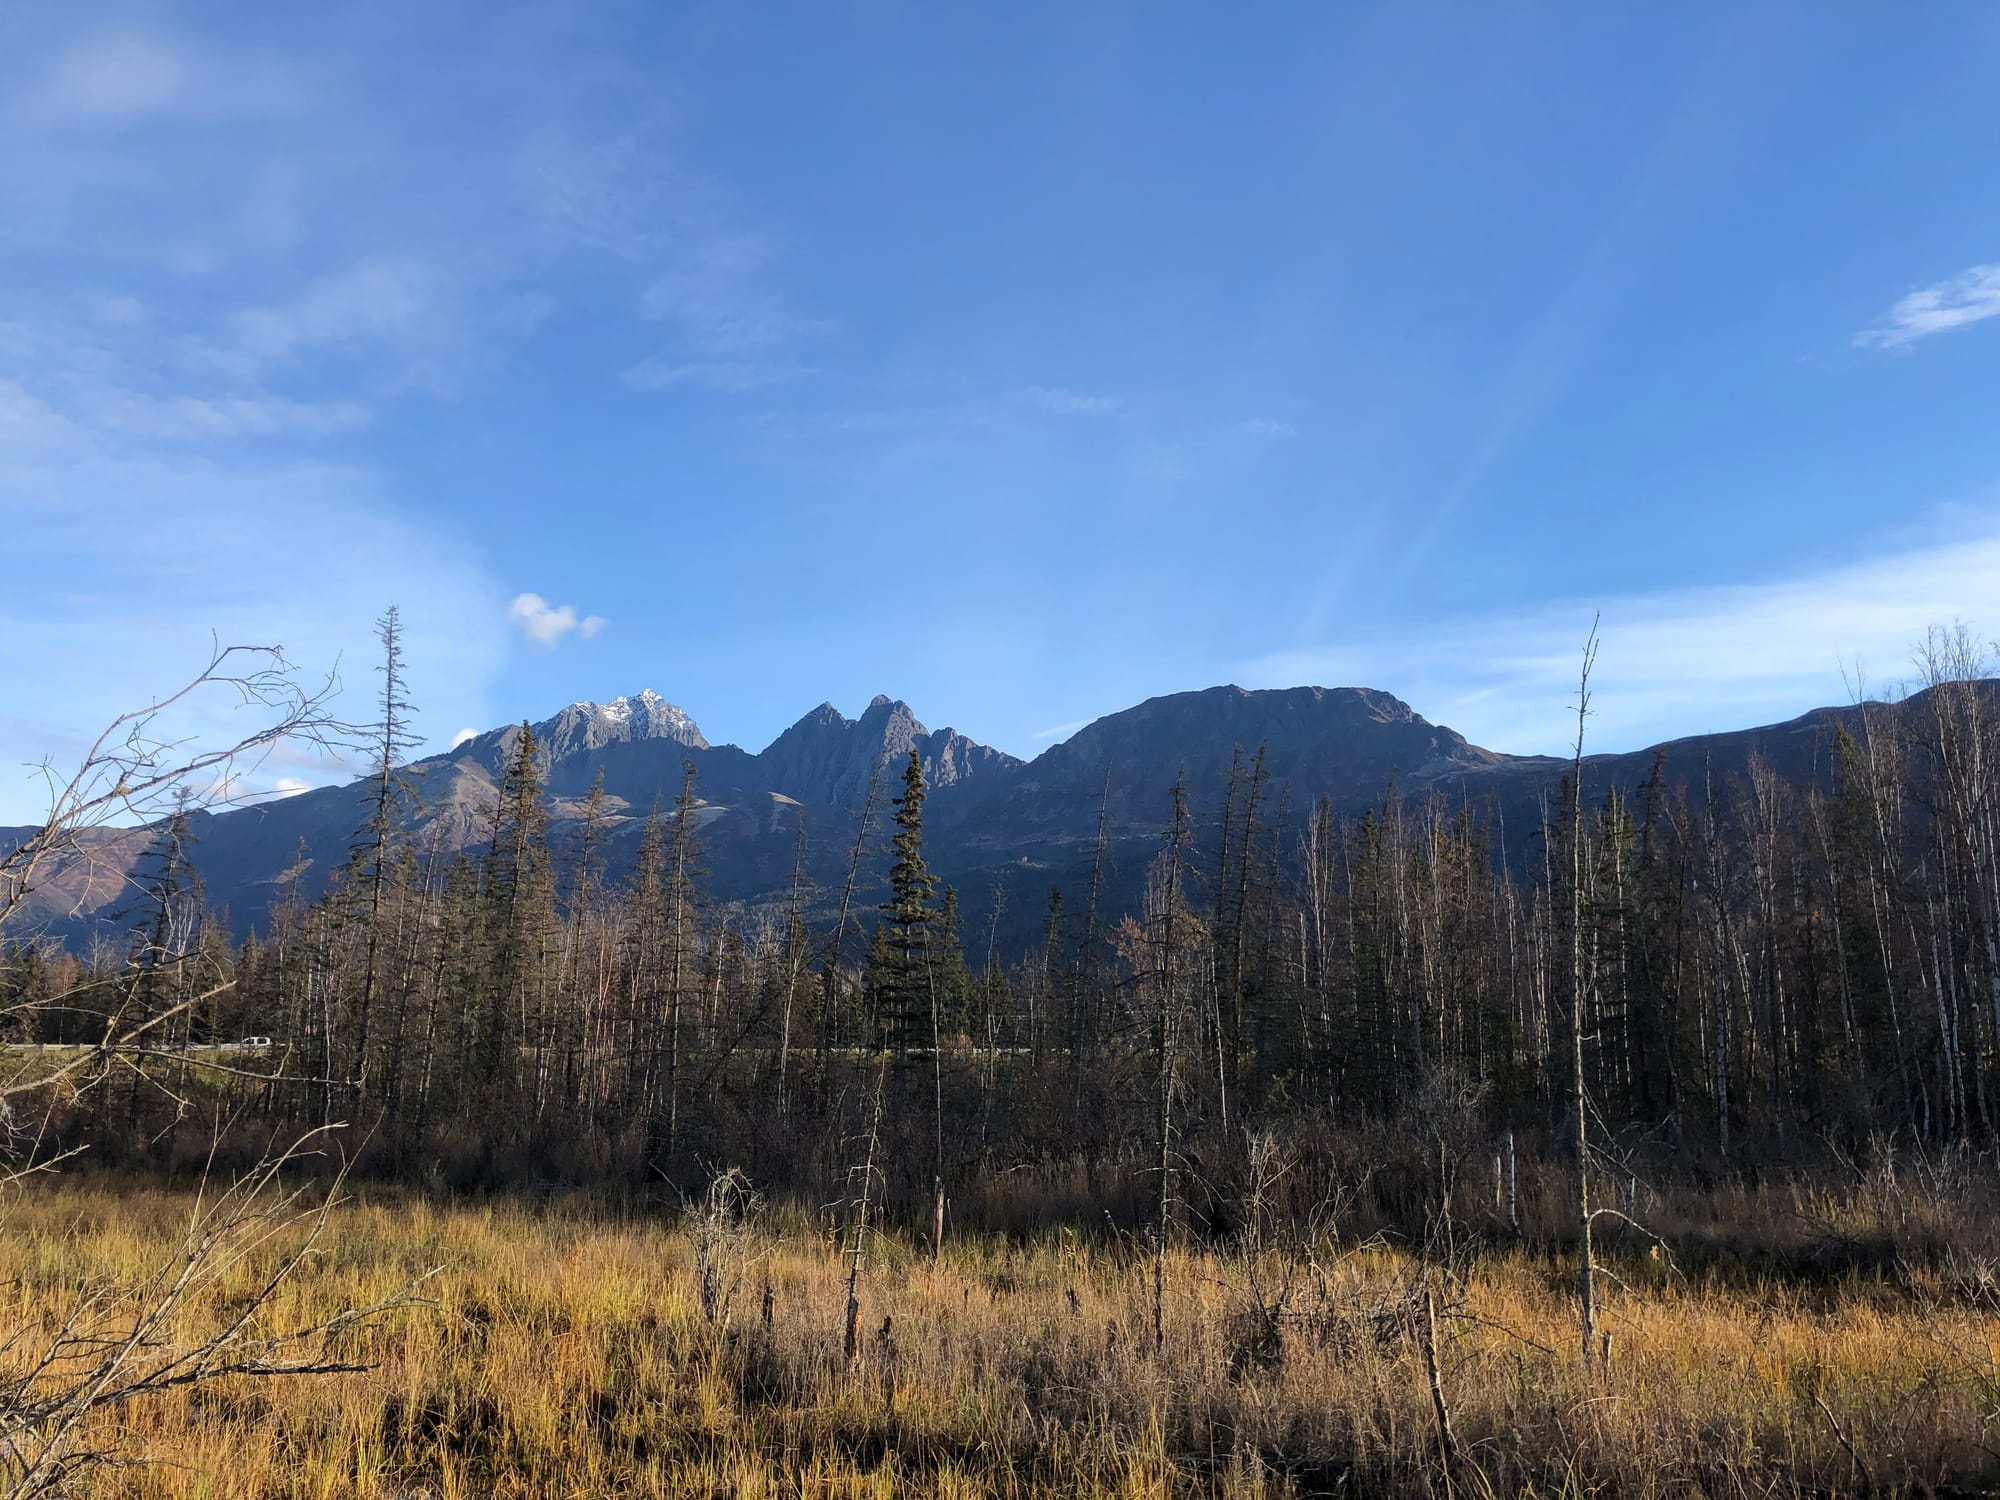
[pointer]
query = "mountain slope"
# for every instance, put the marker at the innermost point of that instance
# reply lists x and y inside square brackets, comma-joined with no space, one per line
[997,827]
[1345,743]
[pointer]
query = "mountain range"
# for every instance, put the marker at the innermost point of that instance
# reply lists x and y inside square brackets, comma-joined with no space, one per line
[1001,829]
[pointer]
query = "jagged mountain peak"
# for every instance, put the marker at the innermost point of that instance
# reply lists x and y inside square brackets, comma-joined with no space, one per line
[587,725]
[827,758]
[893,722]
[825,717]
[883,715]
[643,715]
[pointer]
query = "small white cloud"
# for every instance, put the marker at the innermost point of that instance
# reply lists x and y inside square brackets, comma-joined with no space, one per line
[1070,403]
[1969,297]
[290,786]
[468,733]
[546,624]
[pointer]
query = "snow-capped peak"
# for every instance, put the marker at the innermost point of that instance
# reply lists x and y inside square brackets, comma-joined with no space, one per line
[644,715]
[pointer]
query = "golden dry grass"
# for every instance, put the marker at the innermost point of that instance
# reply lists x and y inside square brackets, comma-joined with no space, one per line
[567,1355]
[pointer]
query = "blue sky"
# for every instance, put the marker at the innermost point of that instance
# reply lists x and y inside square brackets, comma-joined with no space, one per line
[1018,361]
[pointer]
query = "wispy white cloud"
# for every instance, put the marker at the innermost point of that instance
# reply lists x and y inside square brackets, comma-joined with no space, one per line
[83,384]
[339,226]
[1971,296]
[1069,403]
[30,426]
[1268,427]
[122,77]
[730,375]
[721,300]
[708,271]
[401,311]
[467,733]
[202,419]
[1676,662]
[546,624]
[1059,731]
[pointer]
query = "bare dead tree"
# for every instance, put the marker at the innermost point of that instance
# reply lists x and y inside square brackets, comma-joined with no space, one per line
[723,1230]
[1448,1450]
[393,739]
[144,769]
[145,765]
[937,1116]
[795,960]
[1169,901]
[831,974]
[1586,1270]
[120,1342]
[858,1247]
[680,938]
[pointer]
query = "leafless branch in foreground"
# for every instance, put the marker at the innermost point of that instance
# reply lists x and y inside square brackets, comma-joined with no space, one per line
[182,1324]
[204,1312]
[138,771]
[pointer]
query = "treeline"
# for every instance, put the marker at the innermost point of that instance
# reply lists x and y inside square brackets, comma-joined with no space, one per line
[1765,968]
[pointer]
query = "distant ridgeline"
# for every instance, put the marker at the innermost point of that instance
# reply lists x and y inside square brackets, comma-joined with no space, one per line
[603,929]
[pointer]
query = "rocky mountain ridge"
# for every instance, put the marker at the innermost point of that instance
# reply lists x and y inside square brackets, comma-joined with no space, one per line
[1004,830]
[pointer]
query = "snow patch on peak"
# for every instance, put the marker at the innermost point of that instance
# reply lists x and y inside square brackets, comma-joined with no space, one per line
[587,724]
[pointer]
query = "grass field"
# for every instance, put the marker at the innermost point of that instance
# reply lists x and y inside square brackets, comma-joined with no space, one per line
[566,1351]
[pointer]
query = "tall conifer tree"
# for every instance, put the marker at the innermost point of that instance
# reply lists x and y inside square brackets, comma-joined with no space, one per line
[902,978]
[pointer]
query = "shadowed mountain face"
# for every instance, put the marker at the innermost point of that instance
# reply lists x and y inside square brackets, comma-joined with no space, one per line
[826,759]
[1349,744]
[998,827]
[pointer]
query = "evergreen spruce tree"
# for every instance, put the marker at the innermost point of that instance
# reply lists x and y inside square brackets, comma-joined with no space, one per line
[902,977]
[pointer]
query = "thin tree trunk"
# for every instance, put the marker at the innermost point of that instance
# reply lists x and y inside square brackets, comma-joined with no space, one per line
[851,1343]
[1586,1269]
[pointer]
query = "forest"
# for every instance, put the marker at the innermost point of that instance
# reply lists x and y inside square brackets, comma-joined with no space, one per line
[1757,973]
[1723,1039]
